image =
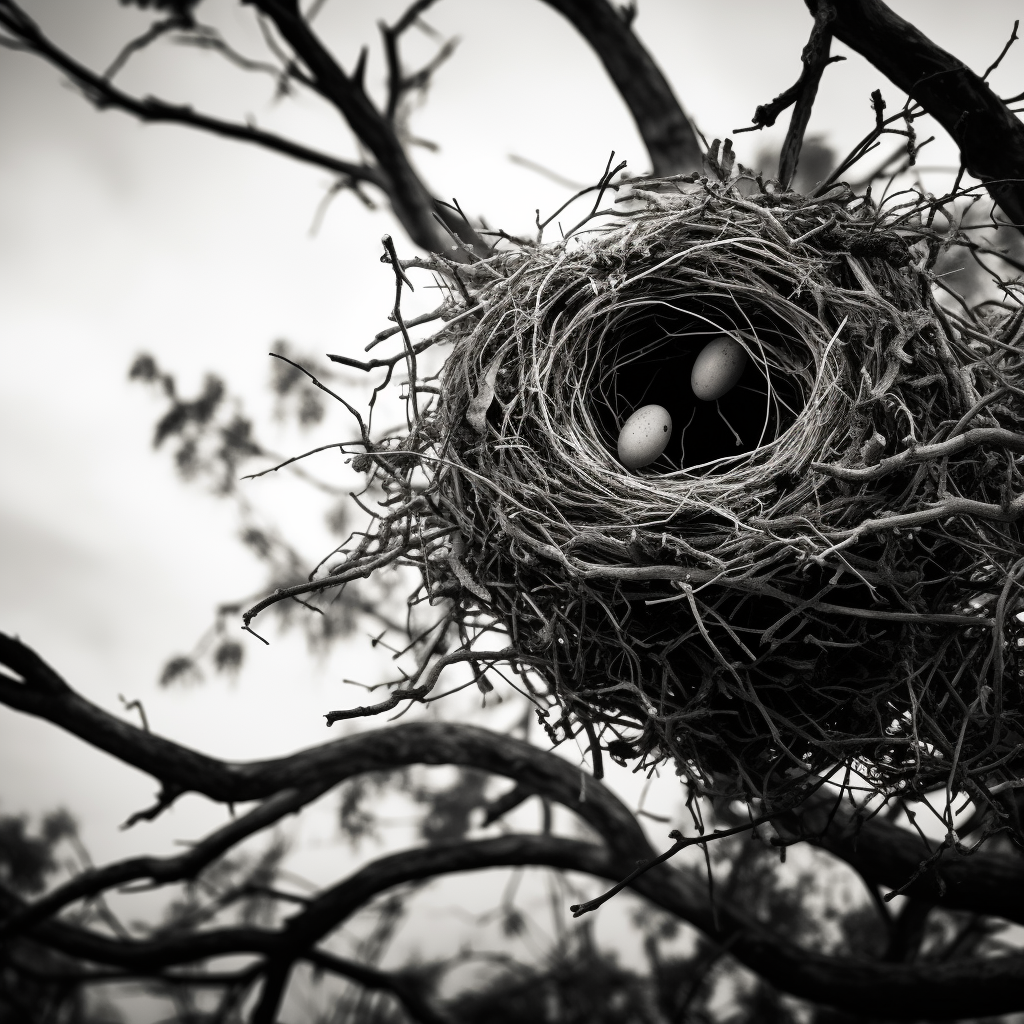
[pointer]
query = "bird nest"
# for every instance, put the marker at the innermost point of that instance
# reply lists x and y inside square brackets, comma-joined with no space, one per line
[822,569]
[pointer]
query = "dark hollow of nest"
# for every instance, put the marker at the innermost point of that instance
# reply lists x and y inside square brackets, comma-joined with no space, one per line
[839,589]
[647,358]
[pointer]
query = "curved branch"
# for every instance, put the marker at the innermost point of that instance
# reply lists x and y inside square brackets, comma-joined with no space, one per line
[181,769]
[896,991]
[990,137]
[415,207]
[974,988]
[404,990]
[666,130]
[885,854]
[413,204]
[900,990]
[161,870]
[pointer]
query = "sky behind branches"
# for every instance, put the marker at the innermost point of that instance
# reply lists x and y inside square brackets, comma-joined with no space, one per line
[117,237]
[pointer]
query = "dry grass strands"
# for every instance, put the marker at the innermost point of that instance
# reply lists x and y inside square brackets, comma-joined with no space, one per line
[824,566]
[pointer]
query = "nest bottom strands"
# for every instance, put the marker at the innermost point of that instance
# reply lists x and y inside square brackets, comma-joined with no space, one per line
[823,567]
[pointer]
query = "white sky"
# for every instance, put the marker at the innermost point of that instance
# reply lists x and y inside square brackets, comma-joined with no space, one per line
[117,237]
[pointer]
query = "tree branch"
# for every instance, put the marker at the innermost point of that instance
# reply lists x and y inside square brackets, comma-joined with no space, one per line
[181,769]
[895,991]
[161,870]
[815,59]
[886,854]
[881,851]
[666,130]
[990,137]
[403,989]
[975,988]
[103,94]
[412,202]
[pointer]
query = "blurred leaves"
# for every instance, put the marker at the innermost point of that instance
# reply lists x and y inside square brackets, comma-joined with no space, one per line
[339,518]
[212,440]
[26,859]
[577,983]
[182,8]
[180,668]
[212,437]
[448,809]
[355,818]
[295,397]
[444,811]
[240,882]
[31,988]
[227,657]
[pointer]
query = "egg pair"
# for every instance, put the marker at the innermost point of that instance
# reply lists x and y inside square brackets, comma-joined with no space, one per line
[645,435]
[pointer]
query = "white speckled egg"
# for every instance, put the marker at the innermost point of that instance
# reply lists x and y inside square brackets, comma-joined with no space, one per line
[644,436]
[718,367]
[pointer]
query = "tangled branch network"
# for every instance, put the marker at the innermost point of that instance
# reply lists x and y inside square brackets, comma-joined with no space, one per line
[821,571]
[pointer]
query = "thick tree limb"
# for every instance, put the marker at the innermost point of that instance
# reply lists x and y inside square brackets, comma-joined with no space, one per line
[888,855]
[44,694]
[666,130]
[893,989]
[881,851]
[990,137]
[949,990]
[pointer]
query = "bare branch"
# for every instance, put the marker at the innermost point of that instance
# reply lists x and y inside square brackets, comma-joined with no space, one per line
[969,987]
[410,199]
[412,203]
[400,84]
[99,91]
[404,990]
[990,136]
[180,769]
[1003,52]
[161,871]
[904,992]
[886,854]
[151,35]
[203,37]
[815,59]
[666,130]
[680,843]
[897,991]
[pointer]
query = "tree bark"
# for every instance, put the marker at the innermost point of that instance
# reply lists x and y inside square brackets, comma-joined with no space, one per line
[888,855]
[666,130]
[928,990]
[412,202]
[990,137]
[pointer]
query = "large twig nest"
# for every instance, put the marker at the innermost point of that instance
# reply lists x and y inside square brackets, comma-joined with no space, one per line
[822,570]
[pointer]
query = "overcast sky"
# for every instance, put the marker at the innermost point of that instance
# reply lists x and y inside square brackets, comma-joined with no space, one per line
[117,237]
